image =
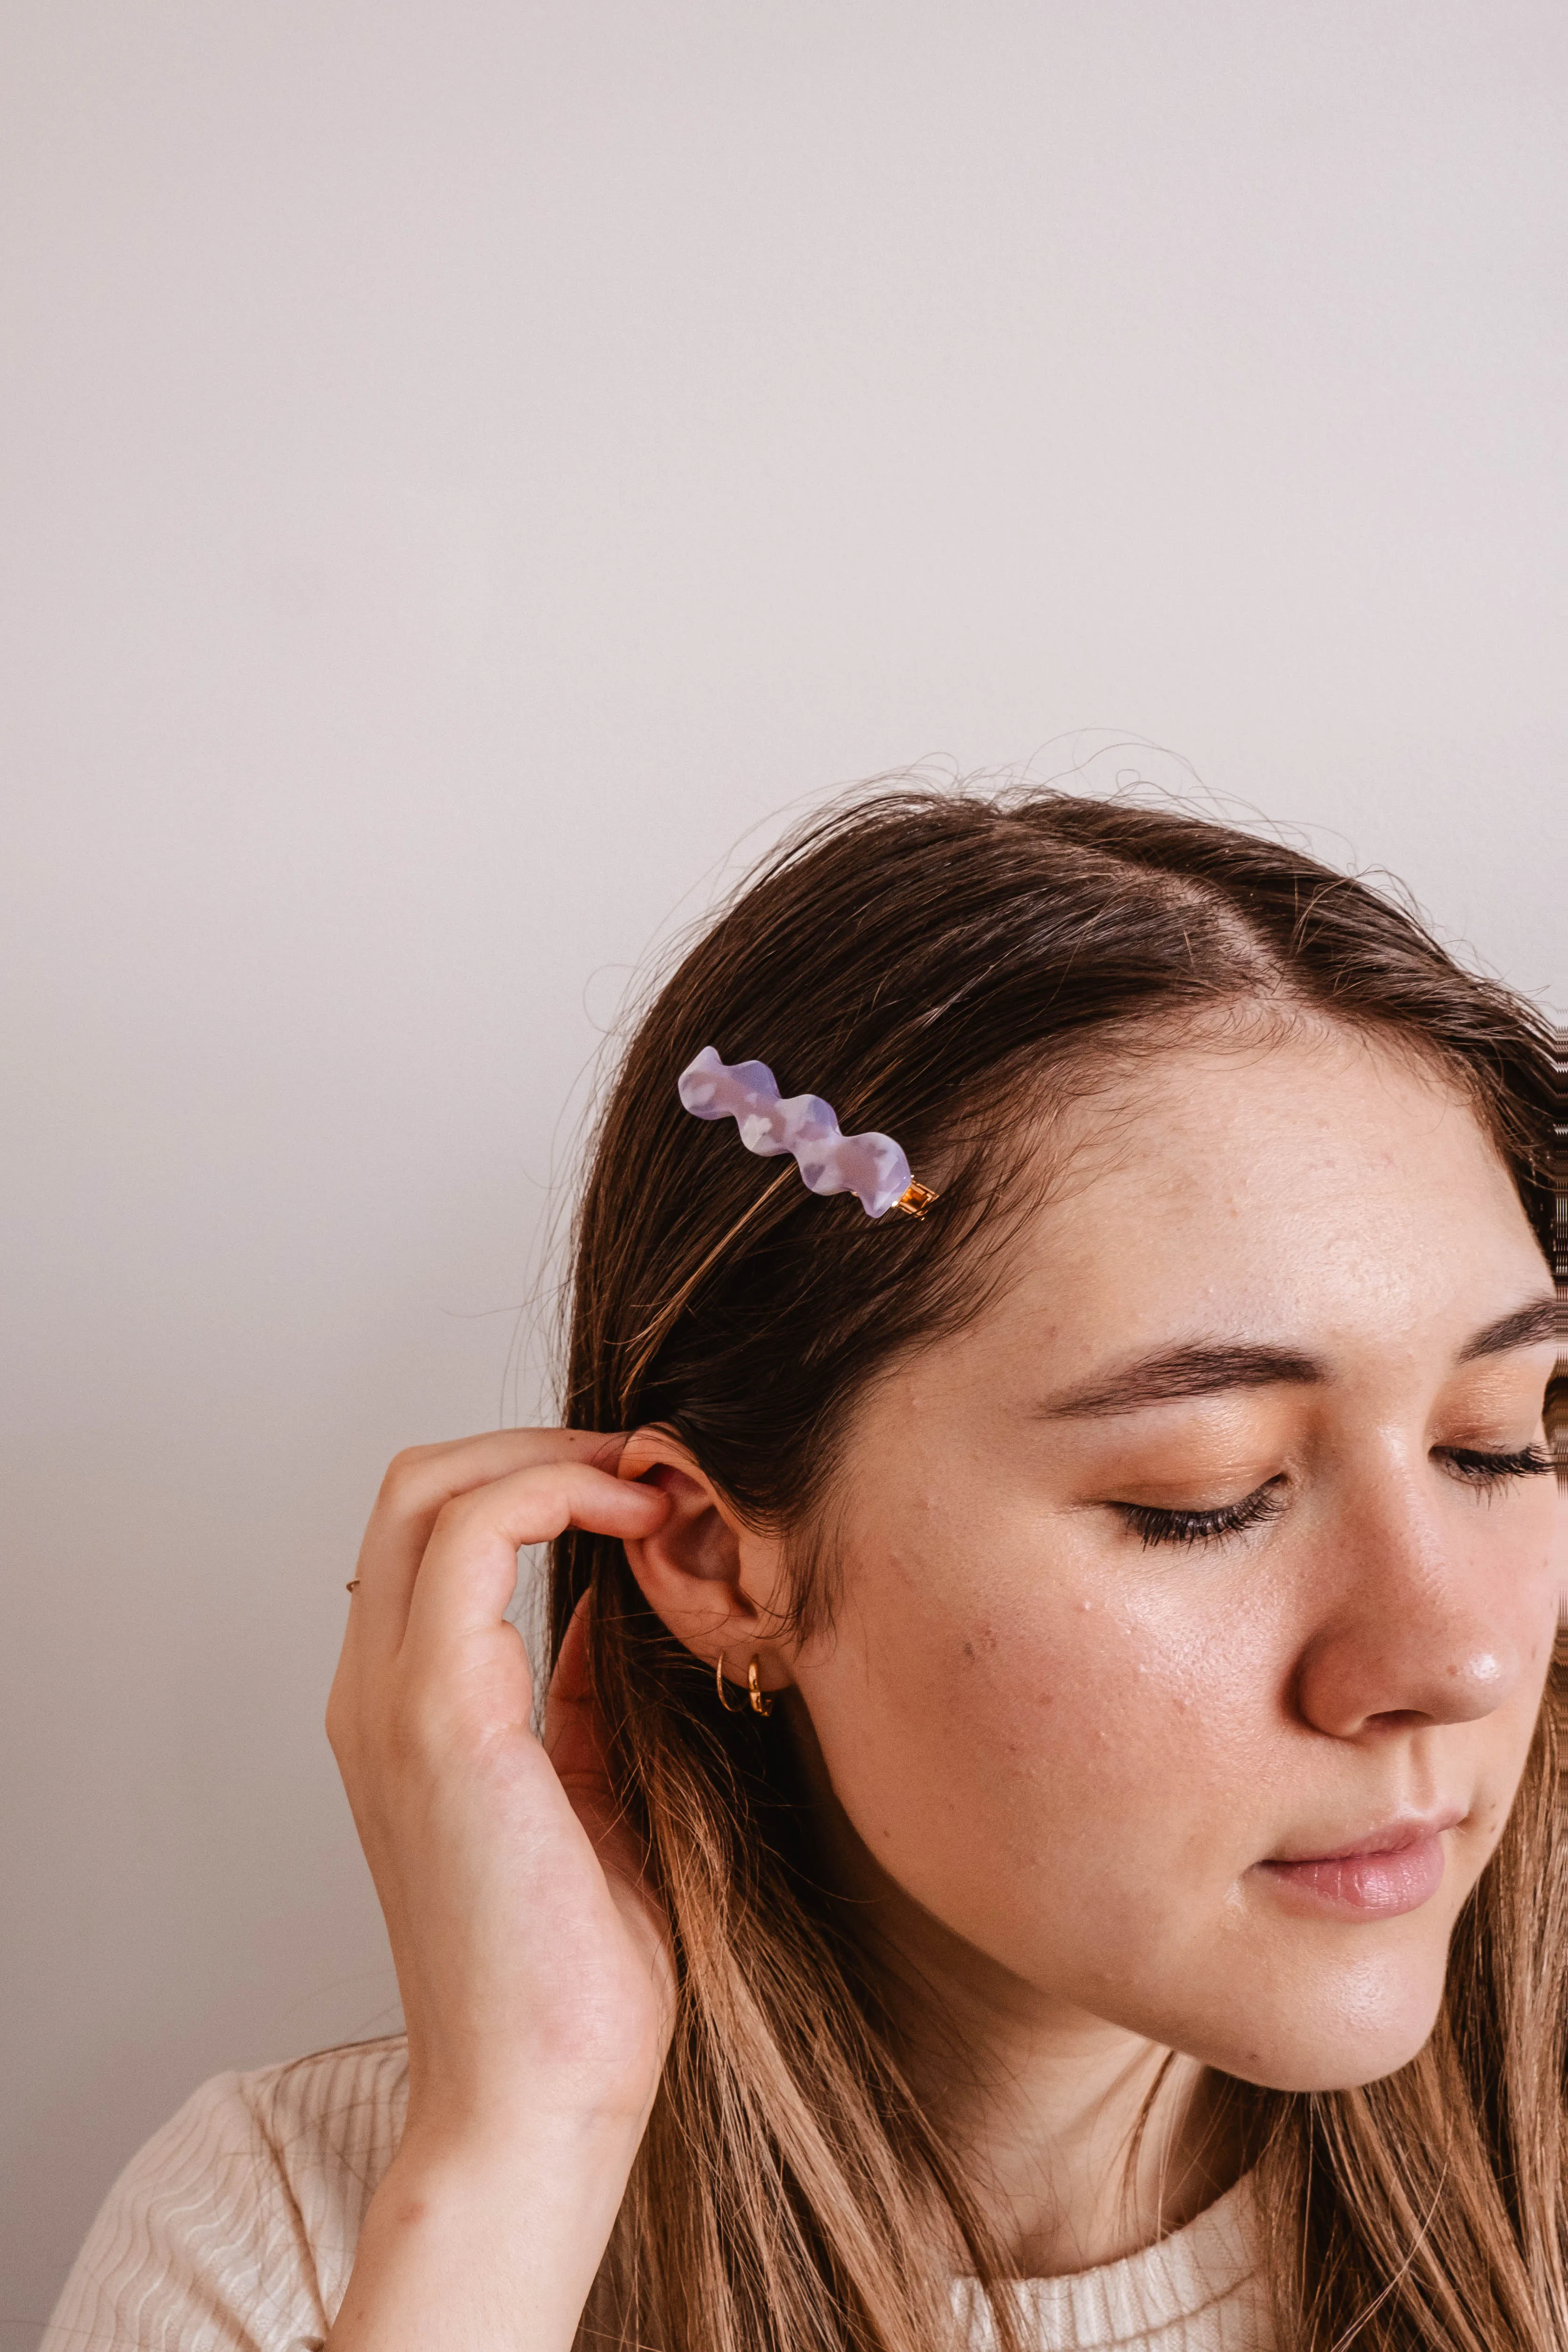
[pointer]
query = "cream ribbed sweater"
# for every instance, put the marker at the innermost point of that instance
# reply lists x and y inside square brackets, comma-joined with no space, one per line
[233,2231]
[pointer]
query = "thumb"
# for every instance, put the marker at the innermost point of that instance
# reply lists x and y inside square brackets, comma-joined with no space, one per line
[573,1739]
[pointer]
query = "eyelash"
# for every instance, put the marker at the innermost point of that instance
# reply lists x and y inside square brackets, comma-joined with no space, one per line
[1158,1526]
[1490,1470]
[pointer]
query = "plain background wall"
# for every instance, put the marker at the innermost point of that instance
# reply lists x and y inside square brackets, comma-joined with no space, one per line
[466,466]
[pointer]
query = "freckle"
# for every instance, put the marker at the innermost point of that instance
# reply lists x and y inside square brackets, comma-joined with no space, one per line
[969,1651]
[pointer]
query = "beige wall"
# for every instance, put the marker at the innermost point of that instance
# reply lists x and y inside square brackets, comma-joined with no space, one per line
[465,464]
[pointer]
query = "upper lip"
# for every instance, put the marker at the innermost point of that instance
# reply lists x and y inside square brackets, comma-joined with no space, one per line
[1391,1837]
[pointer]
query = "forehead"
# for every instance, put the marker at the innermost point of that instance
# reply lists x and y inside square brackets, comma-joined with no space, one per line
[1316,1178]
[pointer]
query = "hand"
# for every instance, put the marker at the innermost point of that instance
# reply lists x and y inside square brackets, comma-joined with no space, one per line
[534,1965]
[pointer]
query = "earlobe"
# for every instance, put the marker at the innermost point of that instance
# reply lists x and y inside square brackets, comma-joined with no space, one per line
[709,1579]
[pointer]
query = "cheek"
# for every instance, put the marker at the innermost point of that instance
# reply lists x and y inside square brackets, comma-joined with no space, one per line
[1021,1745]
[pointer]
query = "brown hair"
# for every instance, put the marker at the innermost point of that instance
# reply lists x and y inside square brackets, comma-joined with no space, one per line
[924,958]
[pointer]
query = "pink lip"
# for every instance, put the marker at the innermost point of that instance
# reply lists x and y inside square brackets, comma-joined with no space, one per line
[1389,1871]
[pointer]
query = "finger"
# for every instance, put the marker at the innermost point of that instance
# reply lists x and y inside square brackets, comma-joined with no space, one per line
[468,1574]
[417,1487]
[454,1462]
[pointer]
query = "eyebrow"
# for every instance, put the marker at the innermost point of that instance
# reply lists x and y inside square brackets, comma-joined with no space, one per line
[1208,1368]
[1527,1327]
[1201,1368]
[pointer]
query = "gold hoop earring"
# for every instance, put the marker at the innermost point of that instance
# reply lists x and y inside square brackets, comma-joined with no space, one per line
[759,1701]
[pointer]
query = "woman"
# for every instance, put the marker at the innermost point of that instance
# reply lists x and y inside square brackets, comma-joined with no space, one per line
[1050,1826]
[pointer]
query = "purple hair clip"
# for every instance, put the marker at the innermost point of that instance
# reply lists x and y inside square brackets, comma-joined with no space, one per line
[871,1166]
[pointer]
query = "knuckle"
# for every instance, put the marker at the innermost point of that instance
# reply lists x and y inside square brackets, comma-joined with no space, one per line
[405,1479]
[464,1515]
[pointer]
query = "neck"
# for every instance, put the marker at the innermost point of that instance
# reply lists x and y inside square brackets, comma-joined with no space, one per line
[1039,2099]
[1043,2105]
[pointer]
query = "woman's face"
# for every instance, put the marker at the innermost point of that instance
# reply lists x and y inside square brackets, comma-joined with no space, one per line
[1192,1559]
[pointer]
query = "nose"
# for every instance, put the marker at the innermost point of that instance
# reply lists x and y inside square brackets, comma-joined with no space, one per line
[1415,1628]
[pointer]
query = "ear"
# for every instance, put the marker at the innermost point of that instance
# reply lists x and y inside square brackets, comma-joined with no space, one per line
[717,1586]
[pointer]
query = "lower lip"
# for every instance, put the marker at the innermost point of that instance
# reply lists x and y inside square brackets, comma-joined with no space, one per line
[1363,1885]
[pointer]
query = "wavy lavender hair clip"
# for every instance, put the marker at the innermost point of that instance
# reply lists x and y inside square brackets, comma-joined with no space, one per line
[871,1166]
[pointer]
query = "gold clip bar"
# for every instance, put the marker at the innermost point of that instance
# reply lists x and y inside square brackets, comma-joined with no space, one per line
[916,1199]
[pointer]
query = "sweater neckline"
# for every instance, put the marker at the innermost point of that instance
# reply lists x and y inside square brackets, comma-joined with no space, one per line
[1120,2303]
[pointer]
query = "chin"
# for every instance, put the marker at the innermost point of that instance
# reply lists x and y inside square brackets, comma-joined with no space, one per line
[1337,2034]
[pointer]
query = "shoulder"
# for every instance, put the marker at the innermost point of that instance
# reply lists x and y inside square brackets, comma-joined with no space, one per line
[234,2229]
[330,2125]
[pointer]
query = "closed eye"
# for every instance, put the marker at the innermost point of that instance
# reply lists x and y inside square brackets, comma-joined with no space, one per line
[1156,1525]
[1493,1470]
